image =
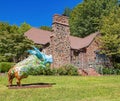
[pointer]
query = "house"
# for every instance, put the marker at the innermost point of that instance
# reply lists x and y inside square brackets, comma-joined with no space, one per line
[64,48]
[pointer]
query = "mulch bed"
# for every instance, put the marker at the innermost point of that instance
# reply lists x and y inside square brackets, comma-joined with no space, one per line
[33,85]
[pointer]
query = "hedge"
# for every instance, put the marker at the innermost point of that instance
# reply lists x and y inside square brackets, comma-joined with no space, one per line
[63,70]
[5,66]
[109,71]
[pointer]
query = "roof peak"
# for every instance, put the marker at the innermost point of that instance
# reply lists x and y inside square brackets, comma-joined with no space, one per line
[41,36]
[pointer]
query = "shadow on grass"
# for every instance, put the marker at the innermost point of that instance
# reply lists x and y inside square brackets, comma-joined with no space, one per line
[31,85]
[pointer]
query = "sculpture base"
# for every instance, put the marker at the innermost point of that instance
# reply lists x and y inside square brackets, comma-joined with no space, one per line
[33,85]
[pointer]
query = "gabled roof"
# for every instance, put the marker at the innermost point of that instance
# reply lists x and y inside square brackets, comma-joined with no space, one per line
[40,36]
[79,43]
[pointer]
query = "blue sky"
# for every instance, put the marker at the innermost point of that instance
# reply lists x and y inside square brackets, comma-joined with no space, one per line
[34,12]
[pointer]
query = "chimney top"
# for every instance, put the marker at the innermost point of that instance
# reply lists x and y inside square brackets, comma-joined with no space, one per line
[60,19]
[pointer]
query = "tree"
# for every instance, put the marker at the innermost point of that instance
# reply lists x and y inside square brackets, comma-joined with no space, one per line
[13,43]
[46,28]
[13,46]
[86,17]
[24,27]
[110,29]
[67,12]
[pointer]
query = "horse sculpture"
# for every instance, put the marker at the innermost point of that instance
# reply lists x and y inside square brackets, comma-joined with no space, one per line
[22,69]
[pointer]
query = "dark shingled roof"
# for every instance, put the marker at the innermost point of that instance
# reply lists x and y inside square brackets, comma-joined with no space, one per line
[40,36]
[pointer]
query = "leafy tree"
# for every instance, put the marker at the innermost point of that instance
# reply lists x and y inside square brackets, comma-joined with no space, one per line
[46,28]
[4,27]
[13,46]
[67,12]
[86,17]
[13,43]
[110,29]
[24,27]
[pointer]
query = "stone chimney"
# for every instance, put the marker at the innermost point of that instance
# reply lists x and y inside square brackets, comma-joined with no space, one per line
[60,40]
[60,19]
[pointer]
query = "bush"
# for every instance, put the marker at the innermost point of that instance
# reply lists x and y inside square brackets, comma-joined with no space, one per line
[111,71]
[5,66]
[67,70]
[64,70]
[42,71]
[117,65]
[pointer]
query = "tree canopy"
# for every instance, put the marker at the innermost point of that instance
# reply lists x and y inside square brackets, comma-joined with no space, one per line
[67,12]
[85,18]
[13,43]
[46,28]
[110,30]
[103,16]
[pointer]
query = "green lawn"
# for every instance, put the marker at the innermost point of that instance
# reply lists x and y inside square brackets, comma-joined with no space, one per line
[66,88]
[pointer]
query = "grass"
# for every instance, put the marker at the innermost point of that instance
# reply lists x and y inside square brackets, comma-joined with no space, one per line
[66,88]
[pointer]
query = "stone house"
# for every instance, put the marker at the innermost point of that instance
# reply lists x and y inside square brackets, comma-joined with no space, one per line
[64,48]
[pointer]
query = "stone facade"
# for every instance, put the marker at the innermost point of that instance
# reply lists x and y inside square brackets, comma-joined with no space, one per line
[90,53]
[64,48]
[85,57]
[60,46]
[60,43]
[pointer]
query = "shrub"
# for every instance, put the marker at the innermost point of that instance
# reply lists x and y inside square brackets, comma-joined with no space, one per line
[118,71]
[117,65]
[42,71]
[5,66]
[64,70]
[111,71]
[67,70]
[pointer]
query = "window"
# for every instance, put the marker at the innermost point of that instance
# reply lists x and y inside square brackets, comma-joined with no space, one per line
[100,58]
[76,53]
